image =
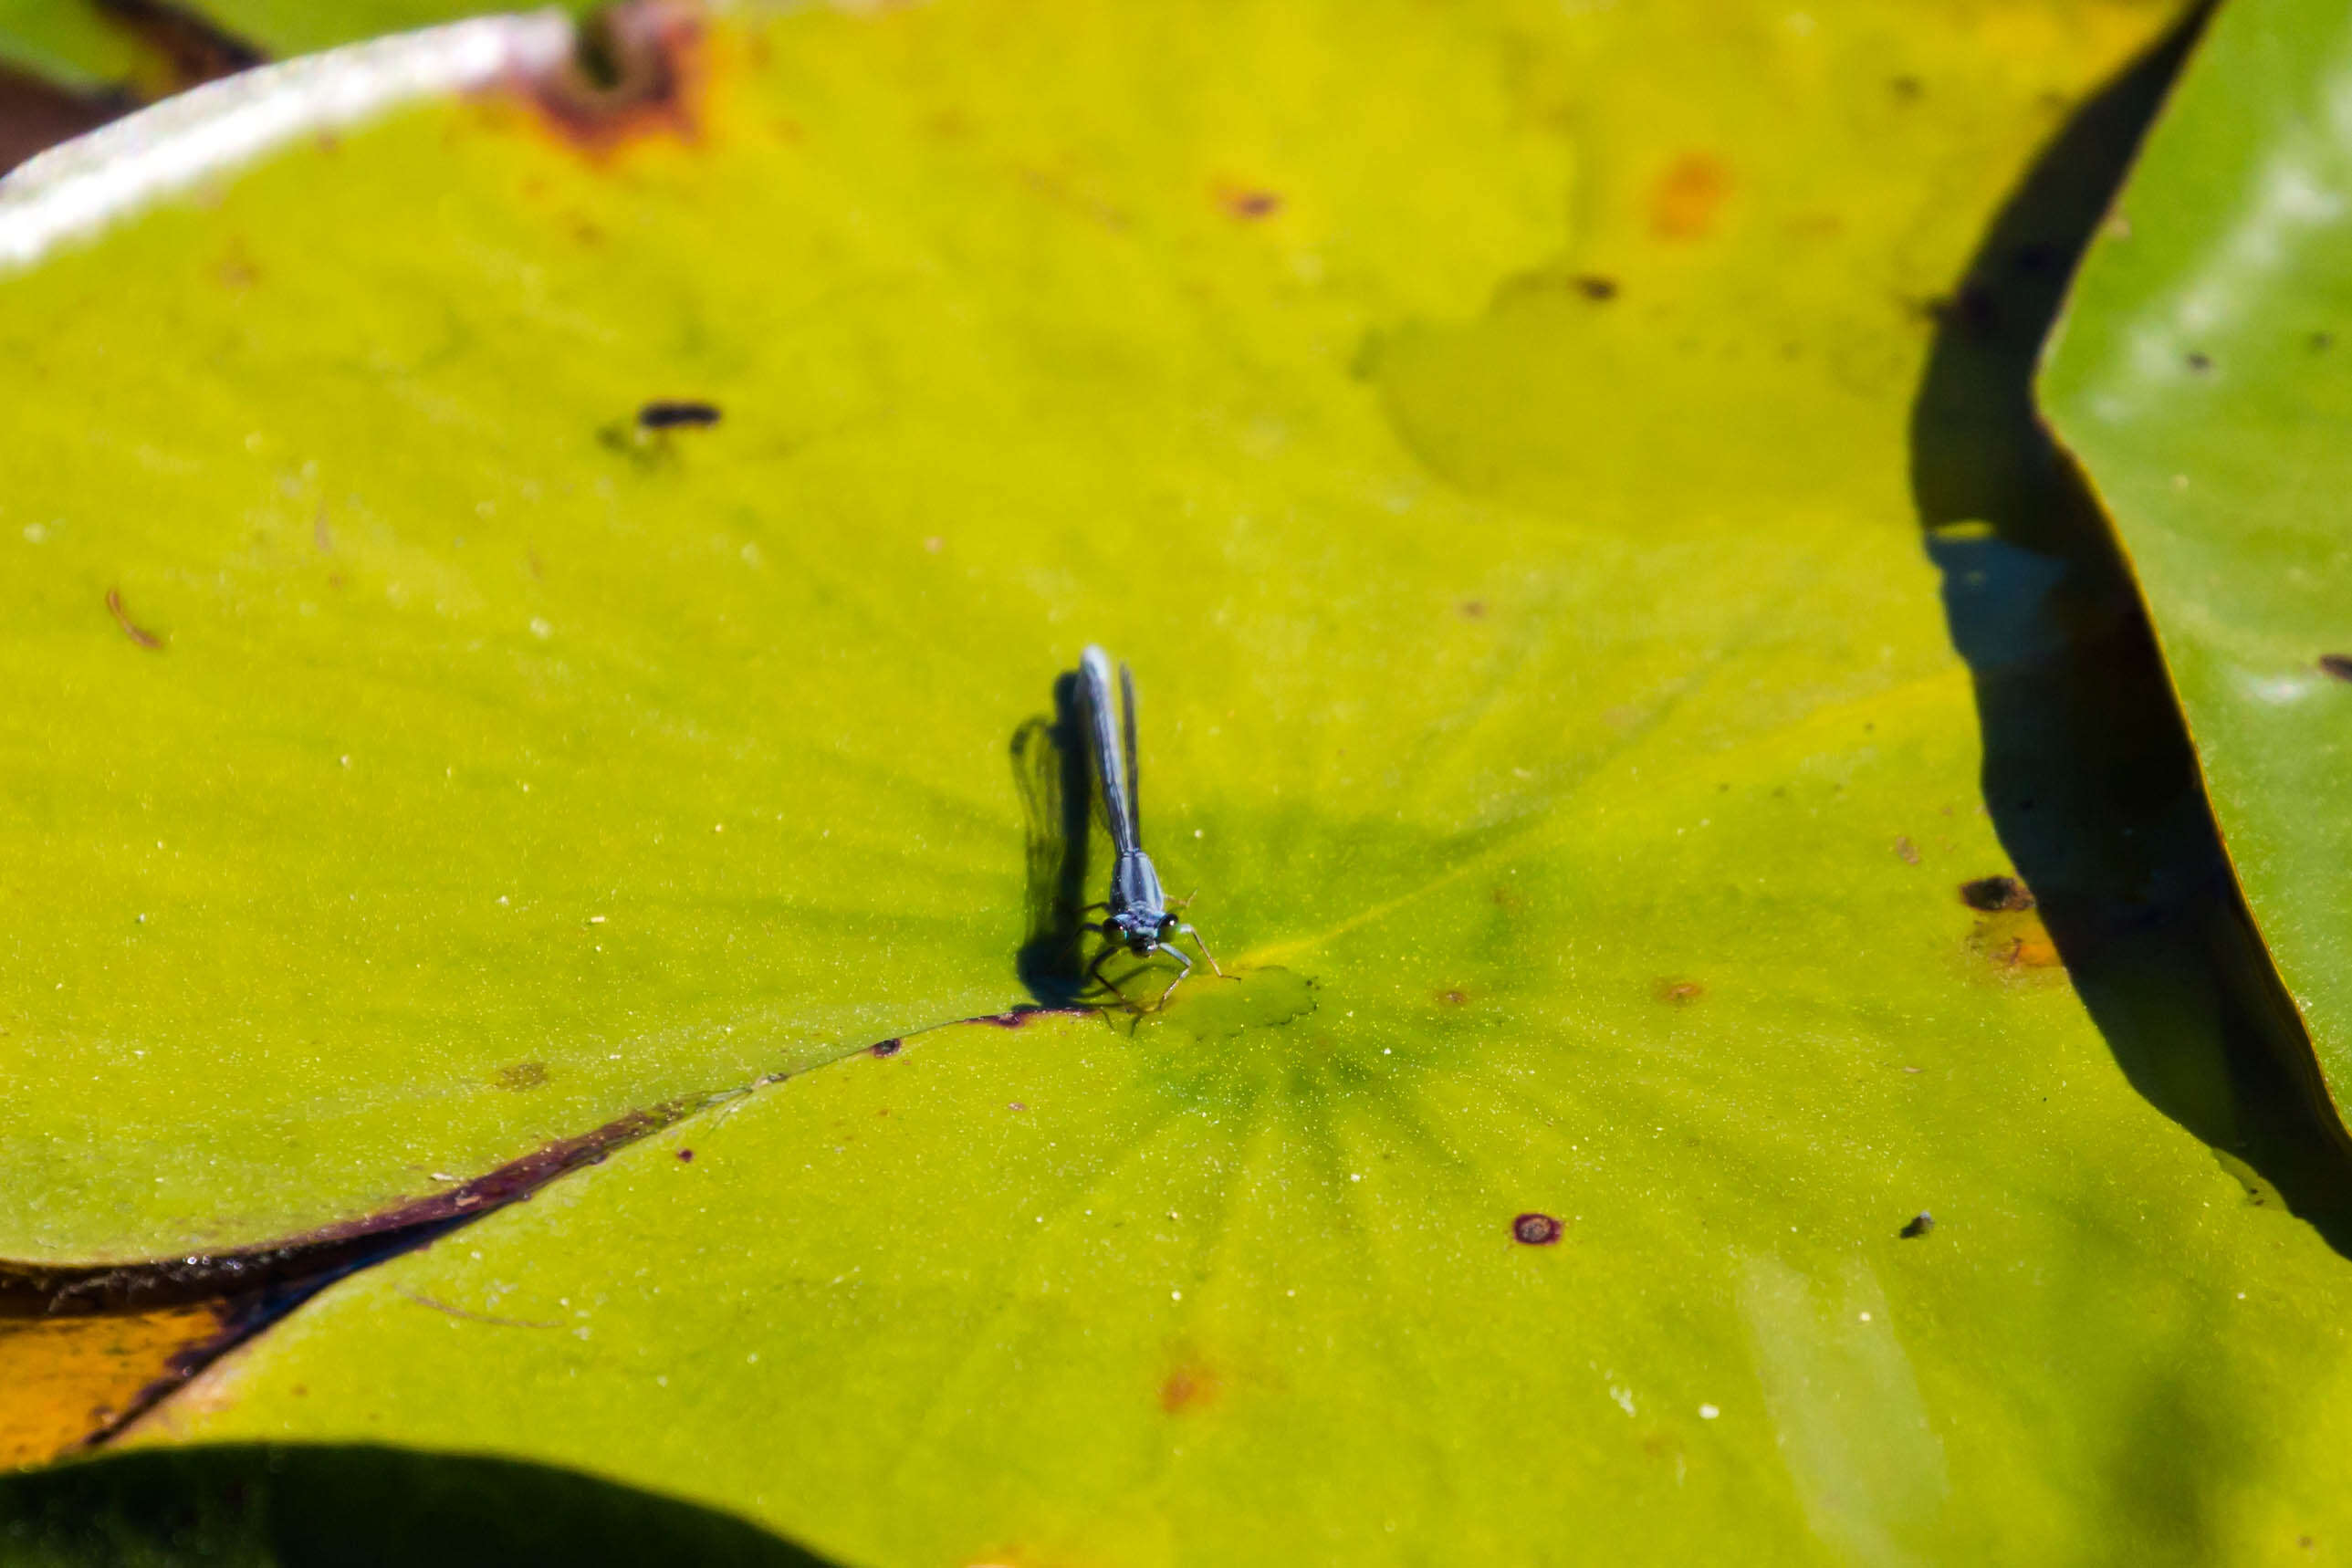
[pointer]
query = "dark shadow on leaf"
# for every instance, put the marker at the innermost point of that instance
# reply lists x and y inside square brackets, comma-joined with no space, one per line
[1052,771]
[2088,772]
[296,1506]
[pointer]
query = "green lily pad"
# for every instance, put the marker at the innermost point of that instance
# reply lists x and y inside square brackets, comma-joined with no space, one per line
[78,44]
[71,45]
[2204,377]
[1486,431]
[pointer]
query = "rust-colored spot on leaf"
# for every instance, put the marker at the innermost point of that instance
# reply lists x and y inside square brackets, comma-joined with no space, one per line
[1533,1229]
[1189,1387]
[1248,204]
[1453,998]
[2014,940]
[1687,196]
[1473,609]
[1681,993]
[635,74]
[1905,852]
[1995,894]
[130,629]
[520,1075]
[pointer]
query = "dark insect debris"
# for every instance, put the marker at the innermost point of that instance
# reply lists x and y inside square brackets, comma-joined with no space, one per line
[2338,665]
[1917,1226]
[687,1155]
[887,1048]
[1536,1229]
[130,629]
[665,413]
[1994,895]
[1593,286]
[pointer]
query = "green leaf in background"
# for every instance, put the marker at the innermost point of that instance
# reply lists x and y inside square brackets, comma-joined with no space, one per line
[155,49]
[1488,432]
[2205,379]
[71,44]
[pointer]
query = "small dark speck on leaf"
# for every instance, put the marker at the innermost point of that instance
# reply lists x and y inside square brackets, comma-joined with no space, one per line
[1995,894]
[2200,362]
[1536,1230]
[1473,609]
[2322,341]
[1252,204]
[887,1047]
[130,629]
[1453,998]
[1917,1226]
[1907,87]
[1905,852]
[667,413]
[1594,287]
[685,1154]
[1681,993]
[2338,665]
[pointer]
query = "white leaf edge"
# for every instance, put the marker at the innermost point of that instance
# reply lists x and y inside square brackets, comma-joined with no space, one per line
[79,187]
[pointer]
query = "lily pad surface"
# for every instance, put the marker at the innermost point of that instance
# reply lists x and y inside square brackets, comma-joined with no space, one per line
[1485,430]
[2205,379]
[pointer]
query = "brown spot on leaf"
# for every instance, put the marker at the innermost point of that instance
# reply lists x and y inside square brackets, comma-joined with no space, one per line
[1917,1226]
[130,629]
[2014,940]
[890,1048]
[635,74]
[1533,1229]
[686,1156]
[1685,200]
[1453,998]
[1905,852]
[1189,1387]
[1681,993]
[1596,288]
[1473,609]
[1994,894]
[520,1075]
[1249,204]
[2338,665]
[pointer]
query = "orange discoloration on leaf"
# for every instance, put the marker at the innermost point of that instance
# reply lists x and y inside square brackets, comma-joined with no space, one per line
[1681,993]
[1686,198]
[65,1381]
[1189,1387]
[640,71]
[2015,940]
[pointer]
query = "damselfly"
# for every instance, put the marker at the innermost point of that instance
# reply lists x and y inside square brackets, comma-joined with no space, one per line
[1140,921]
